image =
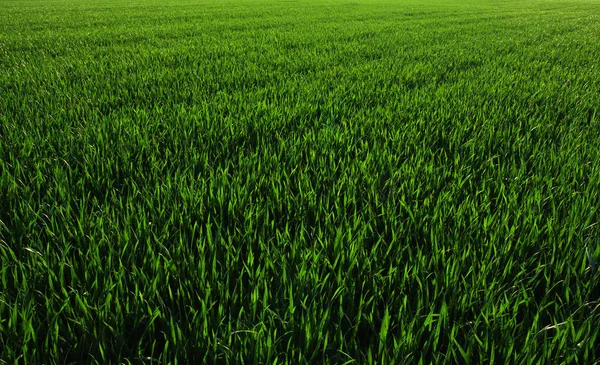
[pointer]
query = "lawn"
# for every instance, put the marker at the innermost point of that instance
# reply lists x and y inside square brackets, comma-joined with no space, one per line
[299,182]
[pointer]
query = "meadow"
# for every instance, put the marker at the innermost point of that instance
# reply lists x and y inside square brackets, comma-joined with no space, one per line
[299,182]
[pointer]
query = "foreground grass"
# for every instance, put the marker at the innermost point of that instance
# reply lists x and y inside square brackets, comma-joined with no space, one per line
[299,182]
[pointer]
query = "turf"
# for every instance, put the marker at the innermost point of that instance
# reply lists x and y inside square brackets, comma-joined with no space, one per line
[299,182]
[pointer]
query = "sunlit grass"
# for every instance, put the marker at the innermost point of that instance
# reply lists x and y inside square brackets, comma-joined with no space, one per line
[312,182]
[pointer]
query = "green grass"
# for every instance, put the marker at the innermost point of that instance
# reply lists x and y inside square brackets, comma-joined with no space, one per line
[299,182]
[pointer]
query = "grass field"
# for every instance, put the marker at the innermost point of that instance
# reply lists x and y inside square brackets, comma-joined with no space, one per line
[299,182]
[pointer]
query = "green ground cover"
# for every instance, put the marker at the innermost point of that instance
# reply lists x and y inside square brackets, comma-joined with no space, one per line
[299,182]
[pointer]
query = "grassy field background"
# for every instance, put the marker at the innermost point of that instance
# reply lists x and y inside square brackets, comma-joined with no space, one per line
[299,182]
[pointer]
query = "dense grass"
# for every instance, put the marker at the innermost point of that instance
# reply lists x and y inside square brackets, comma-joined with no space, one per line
[299,182]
